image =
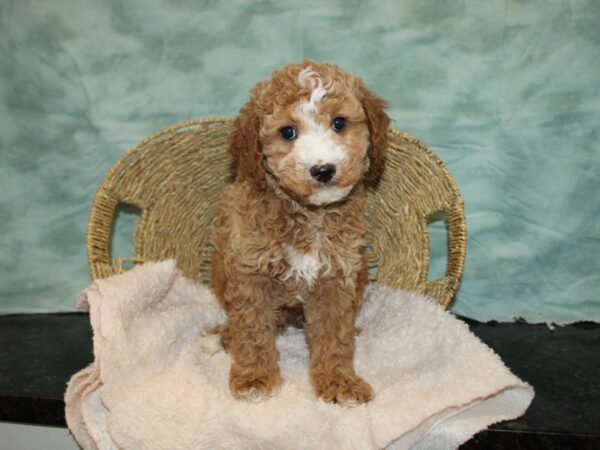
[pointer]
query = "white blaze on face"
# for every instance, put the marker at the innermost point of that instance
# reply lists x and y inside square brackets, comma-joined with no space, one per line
[315,144]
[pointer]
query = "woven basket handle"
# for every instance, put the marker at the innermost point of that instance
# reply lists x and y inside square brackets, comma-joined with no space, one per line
[457,234]
[100,235]
[443,289]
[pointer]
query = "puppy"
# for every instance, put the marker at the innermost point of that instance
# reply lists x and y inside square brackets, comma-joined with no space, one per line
[291,229]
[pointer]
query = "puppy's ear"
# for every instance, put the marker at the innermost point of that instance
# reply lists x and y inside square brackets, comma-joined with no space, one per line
[245,148]
[378,123]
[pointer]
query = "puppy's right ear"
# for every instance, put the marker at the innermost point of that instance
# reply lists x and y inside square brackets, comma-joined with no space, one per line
[245,148]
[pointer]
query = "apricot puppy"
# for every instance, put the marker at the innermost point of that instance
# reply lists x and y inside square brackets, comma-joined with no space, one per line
[291,228]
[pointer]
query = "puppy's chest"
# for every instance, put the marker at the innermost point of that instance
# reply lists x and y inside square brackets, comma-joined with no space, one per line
[299,249]
[305,263]
[320,253]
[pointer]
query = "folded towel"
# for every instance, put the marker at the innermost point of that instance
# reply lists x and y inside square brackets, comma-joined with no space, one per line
[159,381]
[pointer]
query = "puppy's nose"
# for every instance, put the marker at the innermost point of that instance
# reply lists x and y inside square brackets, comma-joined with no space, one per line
[323,173]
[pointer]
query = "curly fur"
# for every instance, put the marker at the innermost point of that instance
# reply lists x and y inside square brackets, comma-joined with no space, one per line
[288,248]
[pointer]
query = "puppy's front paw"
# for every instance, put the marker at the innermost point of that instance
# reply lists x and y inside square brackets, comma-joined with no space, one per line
[347,389]
[252,385]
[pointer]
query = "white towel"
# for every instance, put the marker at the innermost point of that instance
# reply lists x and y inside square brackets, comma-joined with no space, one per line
[158,382]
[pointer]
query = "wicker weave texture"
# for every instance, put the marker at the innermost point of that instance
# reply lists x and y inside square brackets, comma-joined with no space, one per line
[176,176]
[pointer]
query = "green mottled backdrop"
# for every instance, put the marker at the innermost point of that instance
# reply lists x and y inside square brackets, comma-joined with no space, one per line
[507,92]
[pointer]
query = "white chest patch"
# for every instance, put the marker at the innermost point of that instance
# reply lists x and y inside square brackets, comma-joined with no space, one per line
[303,266]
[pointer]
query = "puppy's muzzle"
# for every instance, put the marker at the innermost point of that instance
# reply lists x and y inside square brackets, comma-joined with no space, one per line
[323,173]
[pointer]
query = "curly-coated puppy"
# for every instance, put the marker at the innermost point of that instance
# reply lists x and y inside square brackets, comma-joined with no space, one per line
[291,229]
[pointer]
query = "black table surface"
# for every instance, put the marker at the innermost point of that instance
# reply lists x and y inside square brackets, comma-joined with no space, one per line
[40,352]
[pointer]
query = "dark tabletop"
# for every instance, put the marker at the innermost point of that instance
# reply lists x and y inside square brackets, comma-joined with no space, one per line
[39,353]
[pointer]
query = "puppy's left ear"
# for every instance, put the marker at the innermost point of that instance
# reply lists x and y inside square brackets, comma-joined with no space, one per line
[378,123]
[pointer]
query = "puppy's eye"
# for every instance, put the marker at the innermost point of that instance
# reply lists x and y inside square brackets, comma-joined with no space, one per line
[288,133]
[338,124]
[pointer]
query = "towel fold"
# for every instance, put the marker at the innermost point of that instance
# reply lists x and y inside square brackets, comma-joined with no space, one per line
[159,381]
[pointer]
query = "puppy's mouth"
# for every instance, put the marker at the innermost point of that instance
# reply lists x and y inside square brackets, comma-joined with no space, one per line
[329,193]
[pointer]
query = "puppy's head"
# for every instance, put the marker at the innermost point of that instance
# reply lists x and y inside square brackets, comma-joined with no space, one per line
[310,132]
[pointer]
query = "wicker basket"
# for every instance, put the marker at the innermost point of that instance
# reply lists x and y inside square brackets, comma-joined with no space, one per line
[175,177]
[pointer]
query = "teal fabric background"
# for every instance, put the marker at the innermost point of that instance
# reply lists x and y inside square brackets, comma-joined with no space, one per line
[506,92]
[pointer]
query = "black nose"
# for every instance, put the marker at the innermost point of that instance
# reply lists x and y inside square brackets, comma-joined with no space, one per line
[323,173]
